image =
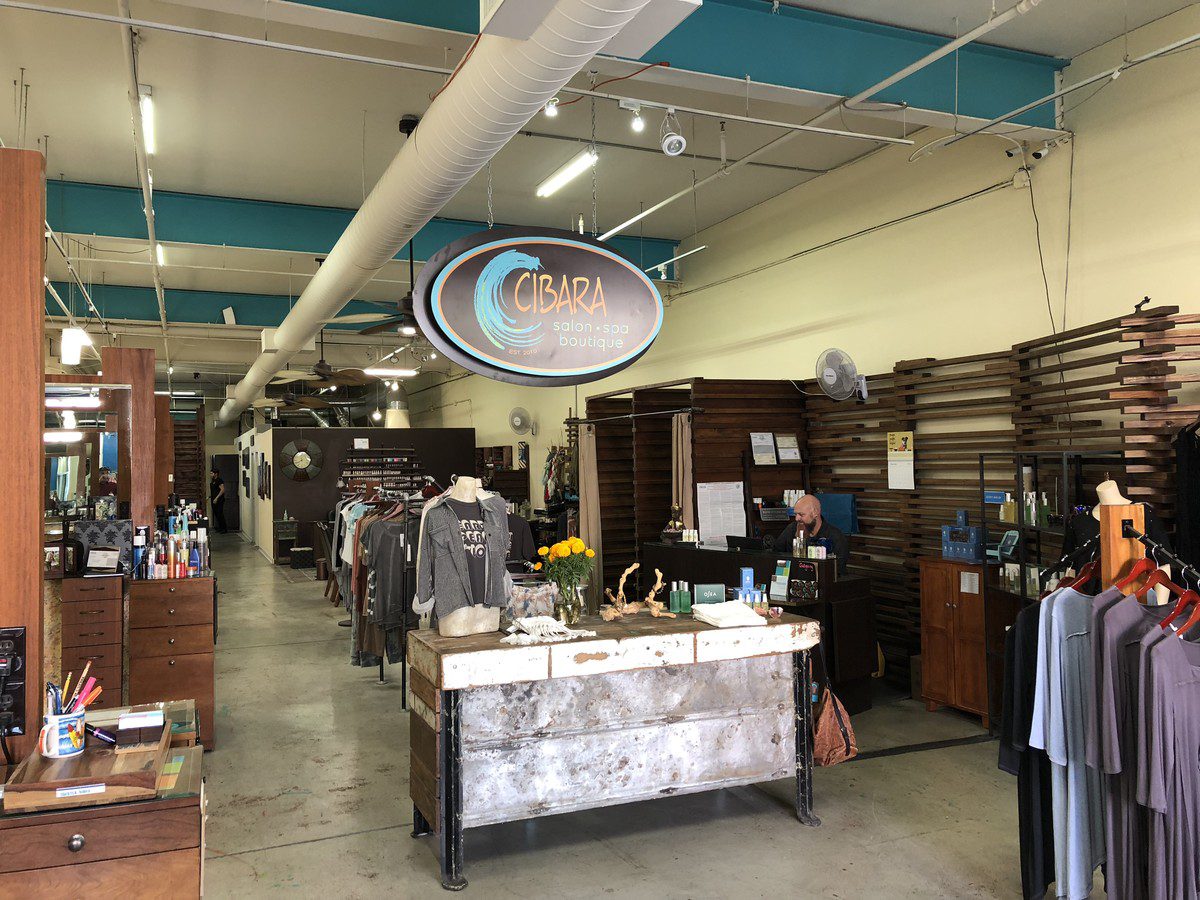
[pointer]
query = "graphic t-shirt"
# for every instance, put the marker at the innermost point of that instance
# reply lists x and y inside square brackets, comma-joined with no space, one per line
[474,538]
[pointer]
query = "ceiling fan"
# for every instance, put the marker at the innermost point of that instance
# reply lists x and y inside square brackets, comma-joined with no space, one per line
[324,375]
[402,314]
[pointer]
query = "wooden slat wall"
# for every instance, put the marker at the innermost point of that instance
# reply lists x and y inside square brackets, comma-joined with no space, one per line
[614,461]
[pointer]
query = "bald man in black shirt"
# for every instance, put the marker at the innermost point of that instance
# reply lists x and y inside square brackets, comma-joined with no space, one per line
[808,514]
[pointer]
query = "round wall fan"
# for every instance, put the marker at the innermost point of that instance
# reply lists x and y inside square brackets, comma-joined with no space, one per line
[301,460]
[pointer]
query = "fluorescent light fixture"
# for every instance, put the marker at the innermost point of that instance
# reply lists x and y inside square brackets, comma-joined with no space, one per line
[662,266]
[408,331]
[73,341]
[160,254]
[583,161]
[69,420]
[146,102]
[175,393]
[72,403]
[60,436]
[552,107]
[385,372]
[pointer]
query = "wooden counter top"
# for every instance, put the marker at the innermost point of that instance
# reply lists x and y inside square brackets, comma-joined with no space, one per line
[641,642]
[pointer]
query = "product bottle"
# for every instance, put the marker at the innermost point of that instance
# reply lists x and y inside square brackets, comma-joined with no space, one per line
[1008,510]
[800,542]
[1044,512]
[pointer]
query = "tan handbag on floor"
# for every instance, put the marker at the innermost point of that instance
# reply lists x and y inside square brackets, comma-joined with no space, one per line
[833,735]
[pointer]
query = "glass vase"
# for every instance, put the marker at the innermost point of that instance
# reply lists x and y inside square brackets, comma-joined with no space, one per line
[568,606]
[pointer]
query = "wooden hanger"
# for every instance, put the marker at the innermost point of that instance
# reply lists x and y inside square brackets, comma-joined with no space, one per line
[1084,575]
[1189,598]
[1143,566]
[1157,577]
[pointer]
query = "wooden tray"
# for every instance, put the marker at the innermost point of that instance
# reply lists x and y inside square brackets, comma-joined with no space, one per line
[95,777]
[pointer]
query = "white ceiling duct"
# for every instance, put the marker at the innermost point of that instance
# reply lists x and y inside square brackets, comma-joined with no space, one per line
[500,85]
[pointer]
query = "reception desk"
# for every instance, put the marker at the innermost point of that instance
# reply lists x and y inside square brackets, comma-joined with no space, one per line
[844,606]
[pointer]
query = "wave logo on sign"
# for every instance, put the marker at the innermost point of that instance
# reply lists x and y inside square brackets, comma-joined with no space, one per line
[492,309]
[541,308]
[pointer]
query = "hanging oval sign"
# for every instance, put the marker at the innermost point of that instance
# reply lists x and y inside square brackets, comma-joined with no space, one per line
[537,308]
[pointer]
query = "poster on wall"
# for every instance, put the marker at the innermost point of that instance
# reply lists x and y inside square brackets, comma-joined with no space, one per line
[900,461]
[789,448]
[539,308]
[762,447]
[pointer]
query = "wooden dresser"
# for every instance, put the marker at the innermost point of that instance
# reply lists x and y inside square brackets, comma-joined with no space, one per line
[953,648]
[171,635]
[145,849]
[92,629]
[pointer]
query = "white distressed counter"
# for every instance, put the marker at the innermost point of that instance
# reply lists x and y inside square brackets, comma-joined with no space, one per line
[647,708]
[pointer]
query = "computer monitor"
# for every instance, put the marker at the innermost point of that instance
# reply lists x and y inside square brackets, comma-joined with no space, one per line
[750,544]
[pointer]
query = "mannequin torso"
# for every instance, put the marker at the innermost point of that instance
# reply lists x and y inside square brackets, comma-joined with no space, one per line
[476,619]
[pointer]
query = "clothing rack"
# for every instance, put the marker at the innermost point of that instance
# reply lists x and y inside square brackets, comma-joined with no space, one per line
[1158,551]
[1093,544]
[642,415]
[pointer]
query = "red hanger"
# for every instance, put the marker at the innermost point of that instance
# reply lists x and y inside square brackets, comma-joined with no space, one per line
[1157,577]
[1189,598]
[1084,575]
[1140,568]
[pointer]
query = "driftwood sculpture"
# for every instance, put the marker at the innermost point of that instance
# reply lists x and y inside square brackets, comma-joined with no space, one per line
[656,608]
[618,607]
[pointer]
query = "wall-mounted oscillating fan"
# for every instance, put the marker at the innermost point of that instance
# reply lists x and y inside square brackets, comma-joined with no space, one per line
[520,421]
[838,376]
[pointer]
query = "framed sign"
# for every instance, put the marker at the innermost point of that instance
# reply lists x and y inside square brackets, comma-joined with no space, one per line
[538,308]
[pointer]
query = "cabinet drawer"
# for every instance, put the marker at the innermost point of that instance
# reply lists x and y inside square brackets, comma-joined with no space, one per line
[85,612]
[101,656]
[74,589]
[170,640]
[172,589]
[91,634]
[153,612]
[158,876]
[103,837]
[181,677]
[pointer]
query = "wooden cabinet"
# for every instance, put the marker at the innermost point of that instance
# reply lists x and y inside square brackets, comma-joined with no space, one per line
[171,632]
[91,632]
[953,649]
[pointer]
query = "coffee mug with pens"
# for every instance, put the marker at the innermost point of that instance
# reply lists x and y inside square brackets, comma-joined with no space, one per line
[63,729]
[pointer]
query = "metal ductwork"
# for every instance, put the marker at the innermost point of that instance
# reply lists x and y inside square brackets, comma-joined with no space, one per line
[499,87]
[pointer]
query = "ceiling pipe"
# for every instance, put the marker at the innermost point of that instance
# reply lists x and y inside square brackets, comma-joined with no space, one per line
[143,165]
[946,49]
[500,85]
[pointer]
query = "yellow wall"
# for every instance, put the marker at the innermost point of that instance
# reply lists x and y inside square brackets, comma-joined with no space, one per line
[962,280]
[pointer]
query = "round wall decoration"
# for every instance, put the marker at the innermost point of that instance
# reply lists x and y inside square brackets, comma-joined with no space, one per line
[301,460]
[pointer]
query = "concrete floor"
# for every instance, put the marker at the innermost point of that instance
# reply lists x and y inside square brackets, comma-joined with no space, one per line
[308,792]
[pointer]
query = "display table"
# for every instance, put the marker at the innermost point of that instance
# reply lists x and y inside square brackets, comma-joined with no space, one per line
[843,605]
[648,708]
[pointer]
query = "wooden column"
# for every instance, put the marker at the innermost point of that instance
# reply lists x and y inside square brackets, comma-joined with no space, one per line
[135,367]
[22,414]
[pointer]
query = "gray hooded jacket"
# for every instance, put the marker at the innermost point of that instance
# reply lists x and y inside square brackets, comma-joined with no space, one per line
[443,582]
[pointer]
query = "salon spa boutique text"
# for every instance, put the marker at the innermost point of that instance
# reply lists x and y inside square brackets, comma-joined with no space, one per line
[535,295]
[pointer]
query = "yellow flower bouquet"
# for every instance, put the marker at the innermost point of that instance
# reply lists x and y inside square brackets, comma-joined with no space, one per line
[568,564]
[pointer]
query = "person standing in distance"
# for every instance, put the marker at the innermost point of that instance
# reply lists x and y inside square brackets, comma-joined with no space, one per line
[216,492]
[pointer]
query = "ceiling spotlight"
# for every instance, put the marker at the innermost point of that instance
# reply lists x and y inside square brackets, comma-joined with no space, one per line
[377,415]
[395,385]
[408,331]
[638,124]
[670,136]
[170,370]
[576,166]
[73,341]
[332,388]
[432,355]
[552,107]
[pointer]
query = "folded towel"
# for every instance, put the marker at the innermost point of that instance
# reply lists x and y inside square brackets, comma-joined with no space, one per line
[541,630]
[729,614]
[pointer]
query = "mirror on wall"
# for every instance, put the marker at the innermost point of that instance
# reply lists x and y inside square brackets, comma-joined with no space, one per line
[83,433]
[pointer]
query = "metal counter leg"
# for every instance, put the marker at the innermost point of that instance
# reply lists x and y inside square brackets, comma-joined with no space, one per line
[421,826]
[450,793]
[801,681]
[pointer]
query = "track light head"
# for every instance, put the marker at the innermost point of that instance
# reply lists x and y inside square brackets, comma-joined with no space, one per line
[1043,151]
[638,124]
[552,107]
[670,136]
